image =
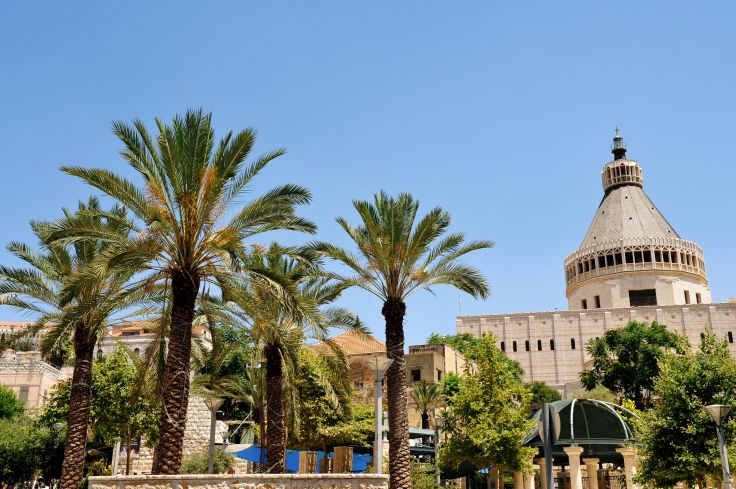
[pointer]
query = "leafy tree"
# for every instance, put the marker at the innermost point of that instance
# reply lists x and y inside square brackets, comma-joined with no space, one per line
[70,285]
[542,393]
[10,406]
[194,229]
[450,386]
[678,438]
[462,342]
[488,418]
[280,324]
[398,256]
[198,463]
[421,478]
[426,398]
[27,450]
[626,360]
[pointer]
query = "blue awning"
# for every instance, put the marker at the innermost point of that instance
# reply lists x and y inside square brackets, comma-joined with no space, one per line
[253,454]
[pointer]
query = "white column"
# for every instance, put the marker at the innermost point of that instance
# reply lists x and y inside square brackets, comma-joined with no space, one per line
[494,476]
[518,479]
[629,455]
[542,471]
[529,479]
[592,465]
[573,456]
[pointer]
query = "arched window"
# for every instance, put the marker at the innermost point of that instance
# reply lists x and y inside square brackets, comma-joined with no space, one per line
[526,345]
[730,337]
[137,351]
[551,344]
[572,343]
[513,345]
[539,345]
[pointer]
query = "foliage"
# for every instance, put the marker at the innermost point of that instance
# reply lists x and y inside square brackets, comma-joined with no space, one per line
[462,342]
[426,398]
[450,386]
[421,478]
[488,418]
[678,437]
[625,360]
[542,393]
[27,450]
[22,345]
[198,463]
[599,392]
[10,406]
[116,411]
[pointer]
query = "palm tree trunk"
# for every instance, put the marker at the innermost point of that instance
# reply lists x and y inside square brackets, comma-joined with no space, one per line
[168,454]
[425,420]
[75,448]
[276,432]
[127,453]
[398,425]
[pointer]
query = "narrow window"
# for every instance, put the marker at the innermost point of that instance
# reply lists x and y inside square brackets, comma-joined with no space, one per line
[730,337]
[687,297]
[439,375]
[584,303]
[572,343]
[698,298]
[99,354]
[539,345]
[551,344]
[526,345]
[597,301]
[503,346]
[702,337]
[513,345]
[137,352]
[416,374]
[23,394]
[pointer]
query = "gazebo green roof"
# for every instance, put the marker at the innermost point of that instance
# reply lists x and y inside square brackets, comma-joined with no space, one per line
[596,426]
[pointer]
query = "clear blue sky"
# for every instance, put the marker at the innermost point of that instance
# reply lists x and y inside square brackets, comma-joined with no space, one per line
[500,112]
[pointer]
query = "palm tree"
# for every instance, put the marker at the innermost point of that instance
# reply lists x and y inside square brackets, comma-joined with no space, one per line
[281,319]
[397,257]
[426,398]
[191,231]
[68,288]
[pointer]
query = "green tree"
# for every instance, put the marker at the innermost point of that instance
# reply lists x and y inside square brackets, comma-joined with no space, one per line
[398,256]
[462,342]
[10,406]
[678,438]
[281,319]
[626,360]
[69,285]
[488,418]
[195,229]
[426,398]
[542,393]
[26,451]
[450,386]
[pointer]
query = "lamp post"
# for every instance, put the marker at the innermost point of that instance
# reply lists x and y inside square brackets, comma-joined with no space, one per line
[214,404]
[381,365]
[718,413]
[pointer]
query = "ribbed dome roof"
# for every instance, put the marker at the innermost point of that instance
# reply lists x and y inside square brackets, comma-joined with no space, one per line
[627,212]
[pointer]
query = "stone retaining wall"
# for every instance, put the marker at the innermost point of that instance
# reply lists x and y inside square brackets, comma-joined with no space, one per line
[253,481]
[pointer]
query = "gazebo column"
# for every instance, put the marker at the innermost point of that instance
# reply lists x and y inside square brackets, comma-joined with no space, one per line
[592,465]
[629,455]
[518,479]
[529,479]
[542,471]
[573,455]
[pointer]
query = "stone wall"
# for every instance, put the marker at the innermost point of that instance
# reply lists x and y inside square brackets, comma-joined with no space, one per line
[196,437]
[254,481]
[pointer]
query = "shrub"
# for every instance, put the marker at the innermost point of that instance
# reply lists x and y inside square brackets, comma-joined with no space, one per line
[197,463]
[10,406]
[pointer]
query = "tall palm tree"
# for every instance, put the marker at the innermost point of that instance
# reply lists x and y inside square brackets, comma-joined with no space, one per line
[426,398]
[398,256]
[70,293]
[281,319]
[195,229]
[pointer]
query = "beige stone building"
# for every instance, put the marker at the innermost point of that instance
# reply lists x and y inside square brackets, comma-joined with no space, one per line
[26,374]
[631,265]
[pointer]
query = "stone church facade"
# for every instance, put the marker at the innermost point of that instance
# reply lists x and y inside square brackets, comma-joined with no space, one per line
[631,265]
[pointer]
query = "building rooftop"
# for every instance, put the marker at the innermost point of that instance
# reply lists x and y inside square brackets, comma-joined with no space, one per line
[354,344]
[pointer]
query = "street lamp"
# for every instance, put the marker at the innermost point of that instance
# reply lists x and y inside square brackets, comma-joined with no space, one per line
[381,366]
[718,413]
[214,404]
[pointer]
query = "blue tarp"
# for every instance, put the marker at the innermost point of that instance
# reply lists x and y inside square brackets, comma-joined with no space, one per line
[253,454]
